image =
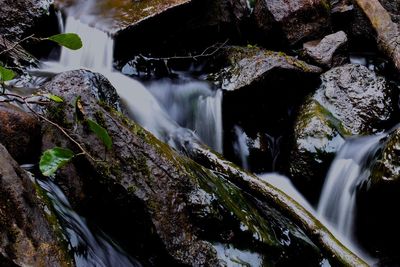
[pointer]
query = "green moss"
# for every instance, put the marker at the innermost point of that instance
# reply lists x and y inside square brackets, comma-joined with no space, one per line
[234,201]
[326,5]
[56,113]
[319,111]
[100,118]
[51,218]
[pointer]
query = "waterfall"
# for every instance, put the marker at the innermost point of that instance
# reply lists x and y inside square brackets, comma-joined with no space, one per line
[338,198]
[163,109]
[89,249]
[192,104]
[241,148]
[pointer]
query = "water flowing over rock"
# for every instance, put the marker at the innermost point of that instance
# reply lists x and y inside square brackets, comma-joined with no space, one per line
[176,210]
[19,133]
[351,100]
[327,52]
[377,198]
[296,20]
[254,81]
[29,232]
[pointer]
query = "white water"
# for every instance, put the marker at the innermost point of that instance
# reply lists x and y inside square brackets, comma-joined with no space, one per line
[241,148]
[192,102]
[89,249]
[285,185]
[338,198]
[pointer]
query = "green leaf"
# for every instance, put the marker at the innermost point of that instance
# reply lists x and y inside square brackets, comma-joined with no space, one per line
[53,159]
[68,40]
[55,98]
[101,133]
[6,74]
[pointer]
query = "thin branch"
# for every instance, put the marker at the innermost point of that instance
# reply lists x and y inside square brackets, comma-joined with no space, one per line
[23,100]
[195,57]
[16,44]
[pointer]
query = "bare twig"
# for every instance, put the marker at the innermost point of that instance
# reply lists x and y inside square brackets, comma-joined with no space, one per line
[16,44]
[205,53]
[23,100]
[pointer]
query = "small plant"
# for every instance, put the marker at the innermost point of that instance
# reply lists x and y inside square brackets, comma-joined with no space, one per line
[57,157]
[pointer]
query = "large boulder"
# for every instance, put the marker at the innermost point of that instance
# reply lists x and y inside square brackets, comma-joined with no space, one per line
[19,133]
[29,232]
[254,82]
[176,26]
[19,18]
[295,20]
[351,100]
[163,207]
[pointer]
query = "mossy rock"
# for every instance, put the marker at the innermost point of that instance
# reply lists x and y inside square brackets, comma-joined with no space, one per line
[170,204]
[352,100]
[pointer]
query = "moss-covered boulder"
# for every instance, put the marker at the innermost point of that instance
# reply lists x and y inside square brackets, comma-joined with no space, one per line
[351,100]
[29,232]
[161,206]
[294,20]
[261,88]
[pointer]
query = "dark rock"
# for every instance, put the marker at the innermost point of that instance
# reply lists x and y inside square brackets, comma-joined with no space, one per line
[178,212]
[16,55]
[20,17]
[296,20]
[328,52]
[251,67]
[29,233]
[19,133]
[254,82]
[377,199]
[393,7]
[352,100]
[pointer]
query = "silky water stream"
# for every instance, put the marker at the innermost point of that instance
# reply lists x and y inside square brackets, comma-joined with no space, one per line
[167,106]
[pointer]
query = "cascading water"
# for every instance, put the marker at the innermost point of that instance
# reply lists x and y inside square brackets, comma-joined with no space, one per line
[191,104]
[89,249]
[241,148]
[350,167]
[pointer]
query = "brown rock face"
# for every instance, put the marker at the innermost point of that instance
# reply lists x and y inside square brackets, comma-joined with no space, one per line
[19,133]
[27,238]
[296,20]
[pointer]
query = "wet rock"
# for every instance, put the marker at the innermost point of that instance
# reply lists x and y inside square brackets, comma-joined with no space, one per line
[377,195]
[351,100]
[178,211]
[255,81]
[387,31]
[16,55]
[20,17]
[19,133]
[29,233]
[252,67]
[296,20]
[328,51]
[176,26]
